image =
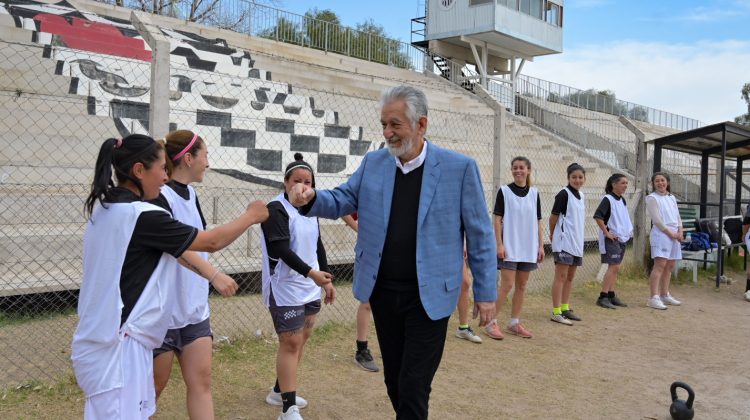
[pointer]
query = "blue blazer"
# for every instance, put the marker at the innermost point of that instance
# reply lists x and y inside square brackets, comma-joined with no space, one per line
[451,206]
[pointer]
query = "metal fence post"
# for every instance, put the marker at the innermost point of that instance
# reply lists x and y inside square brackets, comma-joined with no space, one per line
[369,47]
[326,38]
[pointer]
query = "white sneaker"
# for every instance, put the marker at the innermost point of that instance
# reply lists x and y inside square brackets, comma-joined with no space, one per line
[468,334]
[670,300]
[561,319]
[655,302]
[274,398]
[291,414]
[747,296]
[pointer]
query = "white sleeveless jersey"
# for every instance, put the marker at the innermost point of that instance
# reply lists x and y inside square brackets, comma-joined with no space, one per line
[96,347]
[568,234]
[668,210]
[520,226]
[289,287]
[190,289]
[619,222]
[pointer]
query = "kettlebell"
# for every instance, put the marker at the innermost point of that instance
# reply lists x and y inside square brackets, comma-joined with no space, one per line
[681,410]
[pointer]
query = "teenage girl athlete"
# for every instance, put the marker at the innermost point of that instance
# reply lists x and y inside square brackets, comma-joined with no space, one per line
[294,270]
[130,251]
[615,230]
[666,235]
[191,338]
[566,226]
[746,238]
[518,232]
[362,357]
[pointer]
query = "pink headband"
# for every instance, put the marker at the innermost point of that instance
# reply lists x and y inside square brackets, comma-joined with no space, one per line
[179,155]
[118,143]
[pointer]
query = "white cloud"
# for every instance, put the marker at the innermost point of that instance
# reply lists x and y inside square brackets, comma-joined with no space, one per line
[701,80]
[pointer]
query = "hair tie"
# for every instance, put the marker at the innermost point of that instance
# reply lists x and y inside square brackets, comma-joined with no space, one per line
[118,143]
[179,155]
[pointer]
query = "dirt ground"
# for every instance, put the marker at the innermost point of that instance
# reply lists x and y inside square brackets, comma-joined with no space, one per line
[615,364]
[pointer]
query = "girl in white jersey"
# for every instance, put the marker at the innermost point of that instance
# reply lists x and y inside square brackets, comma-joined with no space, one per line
[190,336]
[130,251]
[518,232]
[566,235]
[294,269]
[615,230]
[666,234]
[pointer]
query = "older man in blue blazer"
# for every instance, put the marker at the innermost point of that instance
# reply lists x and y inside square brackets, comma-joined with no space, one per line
[417,203]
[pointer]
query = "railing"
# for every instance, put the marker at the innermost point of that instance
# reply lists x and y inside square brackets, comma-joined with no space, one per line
[269,22]
[591,100]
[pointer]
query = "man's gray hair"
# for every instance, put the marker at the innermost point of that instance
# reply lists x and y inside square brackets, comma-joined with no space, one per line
[415,99]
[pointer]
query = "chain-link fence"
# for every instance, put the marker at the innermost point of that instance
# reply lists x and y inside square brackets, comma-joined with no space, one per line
[64,89]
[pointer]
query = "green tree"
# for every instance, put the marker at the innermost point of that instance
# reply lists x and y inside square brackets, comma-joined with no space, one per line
[745,94]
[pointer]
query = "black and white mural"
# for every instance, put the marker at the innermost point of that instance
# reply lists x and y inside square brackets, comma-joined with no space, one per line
[253,124]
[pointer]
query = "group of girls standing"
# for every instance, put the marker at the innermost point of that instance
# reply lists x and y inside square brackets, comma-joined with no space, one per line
[520,247]
[144,293]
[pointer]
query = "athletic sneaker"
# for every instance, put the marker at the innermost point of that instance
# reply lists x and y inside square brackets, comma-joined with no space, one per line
[670,300]
[747,295]
[604,302]
[617,302]
[493,331]
[571,316]
[519,330]
[655,302]
[365,361]
[561,319]
[274,398]
[291,414]
[468,334]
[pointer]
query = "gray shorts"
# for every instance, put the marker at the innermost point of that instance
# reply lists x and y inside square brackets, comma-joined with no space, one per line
[291,318]
[615,252]
[178,338]
[564,258]
[516,266]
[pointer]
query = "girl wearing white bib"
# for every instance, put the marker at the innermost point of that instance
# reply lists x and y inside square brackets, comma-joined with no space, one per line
[294,269]
[666,234]
[130,251]
[566,225]
[518,232]
[190,335]
[615,230]
[746,236]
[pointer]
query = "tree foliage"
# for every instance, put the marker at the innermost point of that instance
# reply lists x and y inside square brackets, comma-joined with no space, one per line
[322,29]
[745,95]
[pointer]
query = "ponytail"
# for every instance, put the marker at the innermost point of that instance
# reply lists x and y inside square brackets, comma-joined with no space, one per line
[120,155]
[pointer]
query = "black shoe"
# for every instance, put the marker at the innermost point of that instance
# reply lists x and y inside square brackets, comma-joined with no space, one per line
[617,302]
[571,316]
[604,302]
[365,361]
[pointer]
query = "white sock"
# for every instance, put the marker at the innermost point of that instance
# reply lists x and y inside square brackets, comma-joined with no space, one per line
[655,297]
[513,321]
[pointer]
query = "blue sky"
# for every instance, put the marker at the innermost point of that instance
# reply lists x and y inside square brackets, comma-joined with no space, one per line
[688,57]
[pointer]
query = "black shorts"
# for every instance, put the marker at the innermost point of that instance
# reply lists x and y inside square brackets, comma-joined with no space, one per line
[516,266]
[564,258]
[291,318]
[615,252]
[177,339]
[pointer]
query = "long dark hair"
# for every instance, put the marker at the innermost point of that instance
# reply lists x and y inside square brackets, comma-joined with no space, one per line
[664,174]
[120,155]
[612,179]
[575,167]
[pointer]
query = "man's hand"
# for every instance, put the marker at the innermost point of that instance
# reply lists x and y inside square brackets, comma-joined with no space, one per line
[225,285]
[485,311]
[258,210]
[301,194]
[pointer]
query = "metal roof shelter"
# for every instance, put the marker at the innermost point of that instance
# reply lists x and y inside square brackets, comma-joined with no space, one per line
[723,141]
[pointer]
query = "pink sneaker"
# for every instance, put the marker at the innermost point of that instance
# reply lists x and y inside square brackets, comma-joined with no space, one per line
[519,330]
[493,331]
